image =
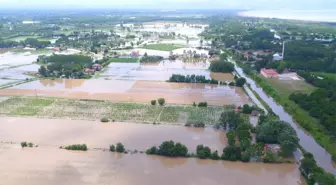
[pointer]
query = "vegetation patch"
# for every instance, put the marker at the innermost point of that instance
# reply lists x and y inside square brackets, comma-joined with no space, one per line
[81,147]
[123,112]
[162,47]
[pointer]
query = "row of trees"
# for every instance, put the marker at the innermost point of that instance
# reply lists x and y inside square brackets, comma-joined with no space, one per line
[35,43]
[313,173]
[191,79]
[82,147]
[154,58]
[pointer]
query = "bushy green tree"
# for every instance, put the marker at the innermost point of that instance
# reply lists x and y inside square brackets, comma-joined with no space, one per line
[152,150]
[215,155]
[112,148]
[120,147]
[161,101]
[231,135]
[231,153]
[203,152]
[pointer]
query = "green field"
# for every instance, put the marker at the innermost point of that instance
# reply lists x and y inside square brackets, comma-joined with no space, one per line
[123,112]
[329,75]
[287,87]
[21,38]
[162,47]
[123,60]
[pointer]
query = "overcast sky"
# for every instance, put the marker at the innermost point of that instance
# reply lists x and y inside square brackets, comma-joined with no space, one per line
[172,4]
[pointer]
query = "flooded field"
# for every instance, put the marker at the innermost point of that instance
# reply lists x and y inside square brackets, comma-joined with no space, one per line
[10,59]
[57,132]
[19,73]
[41,166]
[49,165]
[160,71]
[131,91]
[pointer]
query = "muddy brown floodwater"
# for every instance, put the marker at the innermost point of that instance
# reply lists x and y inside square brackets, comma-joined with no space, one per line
[49,165]
[57,132]
[41,166]
[131,91]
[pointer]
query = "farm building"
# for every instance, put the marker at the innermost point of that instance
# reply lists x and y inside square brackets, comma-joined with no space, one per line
[269,73]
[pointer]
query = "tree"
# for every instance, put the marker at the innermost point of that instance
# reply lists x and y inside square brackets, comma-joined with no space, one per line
[231,153]
[43,71]
[170,149]
[231,119]
[231,135]
[112,148]
[240,82]
[275,131]
[247,109]
[221,66]
[151,151]
[153,102]
[120,148]
[203,152]
[271,157]
[161,101]
[215,155]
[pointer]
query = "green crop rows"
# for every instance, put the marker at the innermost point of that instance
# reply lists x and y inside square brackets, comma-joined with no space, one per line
[94,110]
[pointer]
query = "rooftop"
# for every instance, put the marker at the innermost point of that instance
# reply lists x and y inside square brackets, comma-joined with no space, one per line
[269,71]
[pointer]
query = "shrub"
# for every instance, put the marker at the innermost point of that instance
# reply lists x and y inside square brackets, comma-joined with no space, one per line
[161,101]
[153,102]
[245,157]
[203,152]
[171,149]
[104,119]
[151,151]
[187,124]
[271,157]
[82,147]
[202,104]
[231,84]
[112,148]
[215,155]
[194,104]
[120,148]
[231,153]
[24,144]
[30,144]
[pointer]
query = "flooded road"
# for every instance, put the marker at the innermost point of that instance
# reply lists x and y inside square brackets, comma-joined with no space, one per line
[322,157]
[131,91]
[57,132]
[52,166]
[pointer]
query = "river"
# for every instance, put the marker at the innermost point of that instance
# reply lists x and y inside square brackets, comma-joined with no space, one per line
[322,157]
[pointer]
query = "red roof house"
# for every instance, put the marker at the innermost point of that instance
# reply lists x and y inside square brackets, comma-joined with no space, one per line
[269,73]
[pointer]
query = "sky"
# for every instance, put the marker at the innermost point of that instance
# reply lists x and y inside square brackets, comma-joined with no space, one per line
[169,4]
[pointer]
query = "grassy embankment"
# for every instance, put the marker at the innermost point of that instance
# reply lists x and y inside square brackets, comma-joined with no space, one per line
[122,112]
[162,47]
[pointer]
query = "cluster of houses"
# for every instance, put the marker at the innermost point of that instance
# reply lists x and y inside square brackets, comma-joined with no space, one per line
[94,68]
